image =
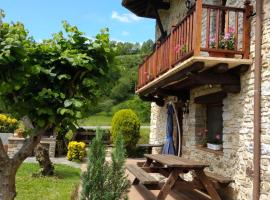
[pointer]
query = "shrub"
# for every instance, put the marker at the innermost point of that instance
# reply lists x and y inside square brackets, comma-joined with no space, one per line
[7,123]
[76,151]
[127,123]
[103,180]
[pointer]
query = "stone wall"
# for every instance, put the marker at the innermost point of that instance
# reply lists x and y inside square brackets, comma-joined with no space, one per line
[236,161]
[16,143]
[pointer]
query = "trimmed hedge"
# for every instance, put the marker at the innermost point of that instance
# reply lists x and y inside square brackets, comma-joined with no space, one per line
[127,123]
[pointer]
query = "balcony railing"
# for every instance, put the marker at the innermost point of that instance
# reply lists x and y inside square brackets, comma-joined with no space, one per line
[200,33]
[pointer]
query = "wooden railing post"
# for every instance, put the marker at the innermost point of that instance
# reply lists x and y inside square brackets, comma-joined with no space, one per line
[247,27]
[197,35]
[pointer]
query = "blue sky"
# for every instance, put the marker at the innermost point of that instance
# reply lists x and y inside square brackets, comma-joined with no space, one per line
[44,17]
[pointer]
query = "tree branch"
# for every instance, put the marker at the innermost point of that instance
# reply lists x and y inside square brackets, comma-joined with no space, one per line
[28,147]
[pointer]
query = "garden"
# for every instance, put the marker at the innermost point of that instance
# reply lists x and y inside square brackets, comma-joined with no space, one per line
[51,88]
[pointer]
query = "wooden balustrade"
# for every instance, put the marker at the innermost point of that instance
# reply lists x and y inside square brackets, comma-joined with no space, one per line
[205,30]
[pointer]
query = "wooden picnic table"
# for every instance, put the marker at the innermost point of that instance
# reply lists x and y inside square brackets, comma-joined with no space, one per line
[173,167]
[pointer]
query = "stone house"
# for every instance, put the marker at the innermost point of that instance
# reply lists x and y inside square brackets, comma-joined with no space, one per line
[215,85]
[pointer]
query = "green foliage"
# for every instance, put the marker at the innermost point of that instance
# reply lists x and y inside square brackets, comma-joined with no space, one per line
[54,81]
[127,123]
[141,108]
[69,135]
[104,181]
[76,151]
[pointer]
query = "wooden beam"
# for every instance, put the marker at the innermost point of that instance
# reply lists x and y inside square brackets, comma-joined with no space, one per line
[160,4]
[240,69]
[194,68]
[162,31]
[220,68]
[205,78]
[231,88]
[159,101]
[211,98]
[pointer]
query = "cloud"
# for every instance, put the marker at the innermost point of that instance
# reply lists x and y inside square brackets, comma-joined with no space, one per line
[125,33]
[125,18]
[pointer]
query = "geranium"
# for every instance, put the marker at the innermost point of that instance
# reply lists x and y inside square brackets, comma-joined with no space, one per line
[226,41]
[177,48]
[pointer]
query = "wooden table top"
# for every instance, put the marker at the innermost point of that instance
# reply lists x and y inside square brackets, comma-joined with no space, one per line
[175,161]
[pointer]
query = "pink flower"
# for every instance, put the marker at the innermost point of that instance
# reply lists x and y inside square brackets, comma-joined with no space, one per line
[177,48]
[218,136]
[231,30]
[227,36]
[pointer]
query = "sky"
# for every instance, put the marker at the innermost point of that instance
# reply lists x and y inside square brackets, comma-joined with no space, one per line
[42,18]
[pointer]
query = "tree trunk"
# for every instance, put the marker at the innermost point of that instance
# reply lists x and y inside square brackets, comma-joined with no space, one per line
[43,158]
[7,181]
[9,166]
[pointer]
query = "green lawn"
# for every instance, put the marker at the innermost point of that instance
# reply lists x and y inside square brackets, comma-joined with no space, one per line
[100,120]
[59,187]
[144,136]
[97,120]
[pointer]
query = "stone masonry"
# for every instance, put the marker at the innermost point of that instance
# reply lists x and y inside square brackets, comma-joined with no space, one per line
[236,160]
[16,143]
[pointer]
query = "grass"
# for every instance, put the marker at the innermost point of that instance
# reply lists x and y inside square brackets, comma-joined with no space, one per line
[100,120]
[97,120]
[59,187]
[144,132]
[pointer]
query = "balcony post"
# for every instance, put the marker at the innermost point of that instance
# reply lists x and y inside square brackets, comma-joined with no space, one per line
[197,35]
[247,28]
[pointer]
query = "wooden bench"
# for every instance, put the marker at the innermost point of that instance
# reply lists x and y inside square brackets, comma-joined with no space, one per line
[219,180]
[141,176]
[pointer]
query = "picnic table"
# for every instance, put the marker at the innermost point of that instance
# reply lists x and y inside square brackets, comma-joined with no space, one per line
[173,167]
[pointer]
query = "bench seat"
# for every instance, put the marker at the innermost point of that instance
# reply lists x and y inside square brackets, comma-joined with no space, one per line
[142,176]
[219,180]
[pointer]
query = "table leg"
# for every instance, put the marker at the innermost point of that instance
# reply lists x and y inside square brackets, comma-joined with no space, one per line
[148,162]
[166,189]
[207,185]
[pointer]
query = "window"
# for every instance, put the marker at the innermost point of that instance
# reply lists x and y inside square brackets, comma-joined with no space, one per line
[214,122]
[209,117]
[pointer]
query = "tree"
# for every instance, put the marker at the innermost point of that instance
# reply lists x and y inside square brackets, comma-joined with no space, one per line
[50,83]
[103,180]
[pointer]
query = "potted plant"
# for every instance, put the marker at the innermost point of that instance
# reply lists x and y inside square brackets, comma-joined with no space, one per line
[7,127]
[20,131]
[216,143]
[226,42]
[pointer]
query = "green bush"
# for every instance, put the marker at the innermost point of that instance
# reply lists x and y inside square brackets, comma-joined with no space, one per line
[127,123]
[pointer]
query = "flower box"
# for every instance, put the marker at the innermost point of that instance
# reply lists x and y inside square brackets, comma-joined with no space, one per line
[221,54]
[215,147]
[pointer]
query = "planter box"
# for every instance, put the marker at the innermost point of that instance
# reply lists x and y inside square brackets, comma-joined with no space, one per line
[4,137]
[215,147]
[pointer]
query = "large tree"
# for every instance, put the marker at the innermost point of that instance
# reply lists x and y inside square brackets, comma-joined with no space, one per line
[47,83]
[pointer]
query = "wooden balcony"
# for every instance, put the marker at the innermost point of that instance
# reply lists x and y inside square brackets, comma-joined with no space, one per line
[196,45]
